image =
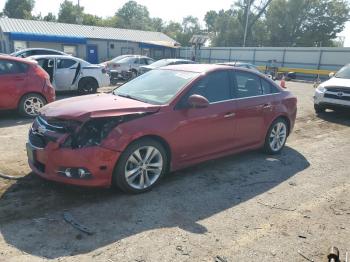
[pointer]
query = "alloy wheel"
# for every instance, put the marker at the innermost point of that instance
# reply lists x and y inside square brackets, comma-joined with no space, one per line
[143,167]
[32,105]
[278,136]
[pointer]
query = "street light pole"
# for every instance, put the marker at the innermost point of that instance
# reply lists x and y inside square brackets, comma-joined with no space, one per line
[246,24]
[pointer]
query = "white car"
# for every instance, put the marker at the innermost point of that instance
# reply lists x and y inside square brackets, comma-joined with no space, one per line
[335,92]
[129,66]
[36,51]
[69,73]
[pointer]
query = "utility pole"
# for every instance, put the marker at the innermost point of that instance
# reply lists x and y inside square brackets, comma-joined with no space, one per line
[79,18]
[246,24]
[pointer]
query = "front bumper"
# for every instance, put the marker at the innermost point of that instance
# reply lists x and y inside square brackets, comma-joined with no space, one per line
[321,100]
[100,162]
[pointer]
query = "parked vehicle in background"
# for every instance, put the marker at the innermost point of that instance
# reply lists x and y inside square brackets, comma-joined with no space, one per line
[36,51]
[164,62]
[165,120]
[128,67]
[111,65]
[241,64]
[24,86]
[334,93]
[69,73]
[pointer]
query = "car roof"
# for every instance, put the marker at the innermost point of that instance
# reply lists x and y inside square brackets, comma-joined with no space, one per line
[57,56]
[197,68]
[235,63]
[17,59]
[37,48]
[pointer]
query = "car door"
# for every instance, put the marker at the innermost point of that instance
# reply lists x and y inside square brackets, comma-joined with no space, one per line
[252,106]
[205,131]
[65,73]
[12,82]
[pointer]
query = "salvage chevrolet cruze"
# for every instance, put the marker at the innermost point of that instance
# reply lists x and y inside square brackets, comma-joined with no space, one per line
[161,121]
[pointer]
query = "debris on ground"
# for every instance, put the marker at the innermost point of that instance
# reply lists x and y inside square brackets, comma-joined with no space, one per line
[71,220]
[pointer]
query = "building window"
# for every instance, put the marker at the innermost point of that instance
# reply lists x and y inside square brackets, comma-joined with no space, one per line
[70,50]
[19,45]
[112,46]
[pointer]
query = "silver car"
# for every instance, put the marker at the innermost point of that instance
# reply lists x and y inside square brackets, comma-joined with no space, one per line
[128,67]
[164,62]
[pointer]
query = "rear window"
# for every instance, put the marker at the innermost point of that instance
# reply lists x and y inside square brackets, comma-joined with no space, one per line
[12,67]
[65,63]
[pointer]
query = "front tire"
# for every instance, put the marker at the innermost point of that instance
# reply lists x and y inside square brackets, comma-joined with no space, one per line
[276,137]
[319,109]
[141,166]
[30,105]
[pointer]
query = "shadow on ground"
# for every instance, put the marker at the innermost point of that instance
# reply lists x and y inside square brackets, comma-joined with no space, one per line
[181,200]
[337,117]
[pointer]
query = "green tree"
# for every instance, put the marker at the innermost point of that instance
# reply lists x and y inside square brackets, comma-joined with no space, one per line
[157,24]
[19,9]
[306,22]
[133,16]
[50,17]
[89,19]
[70,13]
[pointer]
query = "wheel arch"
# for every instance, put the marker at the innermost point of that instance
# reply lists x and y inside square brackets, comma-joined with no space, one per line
[28,93]
[286,118]
[91,78]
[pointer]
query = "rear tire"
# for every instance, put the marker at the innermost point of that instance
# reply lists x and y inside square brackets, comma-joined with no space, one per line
[87,86]
[141,166]
[319,109]
[30,105]
[276,137]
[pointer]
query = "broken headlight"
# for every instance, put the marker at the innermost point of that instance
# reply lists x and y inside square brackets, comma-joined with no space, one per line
[94,131]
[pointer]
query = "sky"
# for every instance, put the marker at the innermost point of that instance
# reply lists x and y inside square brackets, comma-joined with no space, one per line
[166,9]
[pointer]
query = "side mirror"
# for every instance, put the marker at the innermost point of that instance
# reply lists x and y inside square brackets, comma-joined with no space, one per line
[198,101]
[331,74]
[50,63]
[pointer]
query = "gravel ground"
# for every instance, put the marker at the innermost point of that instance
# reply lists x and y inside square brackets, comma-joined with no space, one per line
[247,207]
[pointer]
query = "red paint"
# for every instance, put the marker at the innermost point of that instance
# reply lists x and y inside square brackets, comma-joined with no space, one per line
[14,86]
[193,135]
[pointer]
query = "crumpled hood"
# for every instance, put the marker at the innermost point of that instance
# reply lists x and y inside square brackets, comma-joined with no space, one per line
[337,82]
[97,105]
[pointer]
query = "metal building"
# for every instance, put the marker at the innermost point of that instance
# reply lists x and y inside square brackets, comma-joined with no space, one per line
[92,43]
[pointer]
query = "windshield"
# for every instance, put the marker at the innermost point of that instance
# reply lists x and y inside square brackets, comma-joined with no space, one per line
[126,60]
[159,63]
[344,72]
[118,58]
[156,87]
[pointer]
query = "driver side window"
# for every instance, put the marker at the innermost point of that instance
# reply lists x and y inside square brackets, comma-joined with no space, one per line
[215,87]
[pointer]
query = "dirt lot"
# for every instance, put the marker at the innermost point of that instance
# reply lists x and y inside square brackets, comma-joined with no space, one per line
[247,207]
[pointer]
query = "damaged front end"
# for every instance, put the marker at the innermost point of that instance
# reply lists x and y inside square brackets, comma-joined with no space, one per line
[93,131]
[74,134]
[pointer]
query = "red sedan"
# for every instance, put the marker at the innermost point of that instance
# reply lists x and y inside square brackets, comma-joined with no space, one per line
[162,121]
[24,86]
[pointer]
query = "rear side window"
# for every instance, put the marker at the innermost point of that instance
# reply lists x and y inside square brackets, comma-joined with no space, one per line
[215,87]
[11,67]
[65,63]
[268,88]
[247,85]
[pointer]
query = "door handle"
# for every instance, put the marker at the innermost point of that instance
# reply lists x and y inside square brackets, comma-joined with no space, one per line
[228,115]
[267,106]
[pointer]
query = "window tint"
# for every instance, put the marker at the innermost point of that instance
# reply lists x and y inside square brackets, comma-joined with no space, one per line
[149,61]
[247,85]
[11,67]
[65,63]
[268,88]
[215,87]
